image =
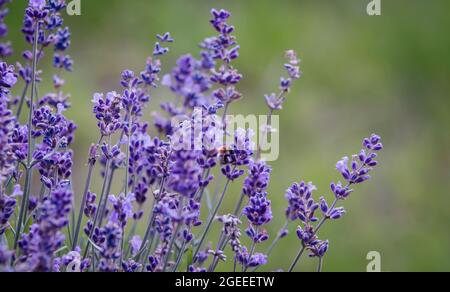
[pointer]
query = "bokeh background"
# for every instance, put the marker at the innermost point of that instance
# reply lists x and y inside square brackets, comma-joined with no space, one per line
[387,74]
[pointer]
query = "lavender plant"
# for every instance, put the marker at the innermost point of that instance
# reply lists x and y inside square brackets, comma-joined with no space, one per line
[166,182]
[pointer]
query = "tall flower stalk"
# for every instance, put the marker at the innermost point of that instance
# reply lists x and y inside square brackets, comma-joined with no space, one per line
[28,166]
[303,207]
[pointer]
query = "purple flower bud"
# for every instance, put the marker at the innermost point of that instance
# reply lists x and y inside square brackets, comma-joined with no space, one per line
[337,213]
[323,205]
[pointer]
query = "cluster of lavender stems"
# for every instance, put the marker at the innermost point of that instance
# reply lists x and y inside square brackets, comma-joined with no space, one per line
[167,183]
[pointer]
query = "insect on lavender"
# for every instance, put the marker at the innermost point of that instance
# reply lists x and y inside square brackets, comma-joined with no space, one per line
[164,188]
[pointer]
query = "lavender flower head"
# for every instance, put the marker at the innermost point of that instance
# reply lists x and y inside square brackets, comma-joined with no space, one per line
[360,167]
[257,180]
[276,101]
[259,210]
[301,204]
[107,111]
[122,209]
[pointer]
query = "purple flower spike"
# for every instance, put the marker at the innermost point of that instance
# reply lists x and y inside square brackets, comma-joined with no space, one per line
[107,111]
[257,180]
[259,210]
[301,203]
[122,209]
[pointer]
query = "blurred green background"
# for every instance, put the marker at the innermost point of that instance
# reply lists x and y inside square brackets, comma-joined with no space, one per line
[387,74]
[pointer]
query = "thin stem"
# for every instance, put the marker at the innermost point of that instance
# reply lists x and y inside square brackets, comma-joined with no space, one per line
[26,195]
[316,230]
[83,203]
[122,247]
[211,219]
[320,266]
[222,239]
[108,191]
[33,92]
[22,101]
[274,243]
[239,205]
[127,174]
[297,258]
[276,240]
[150,231]
[127,171]
[220,246]
[180,256]
[102,206]
[69,233]
[104,196]
[325,218]
[22,208]
[131,234]
[252,250]
[87,186]
[174,236]
[150,227]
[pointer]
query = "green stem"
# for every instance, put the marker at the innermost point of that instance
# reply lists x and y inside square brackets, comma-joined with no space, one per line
[83,203]
[180,256]
[215,260]
[24,205]
[320,266]
[122,247]
[150,225]
[297,258]
[212,217]
[101,208]
[28,175]
[239,205]
[276,240]
[252,250]
[108,192]
[22,101]
[274,243]
[174,236]
[319,226]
